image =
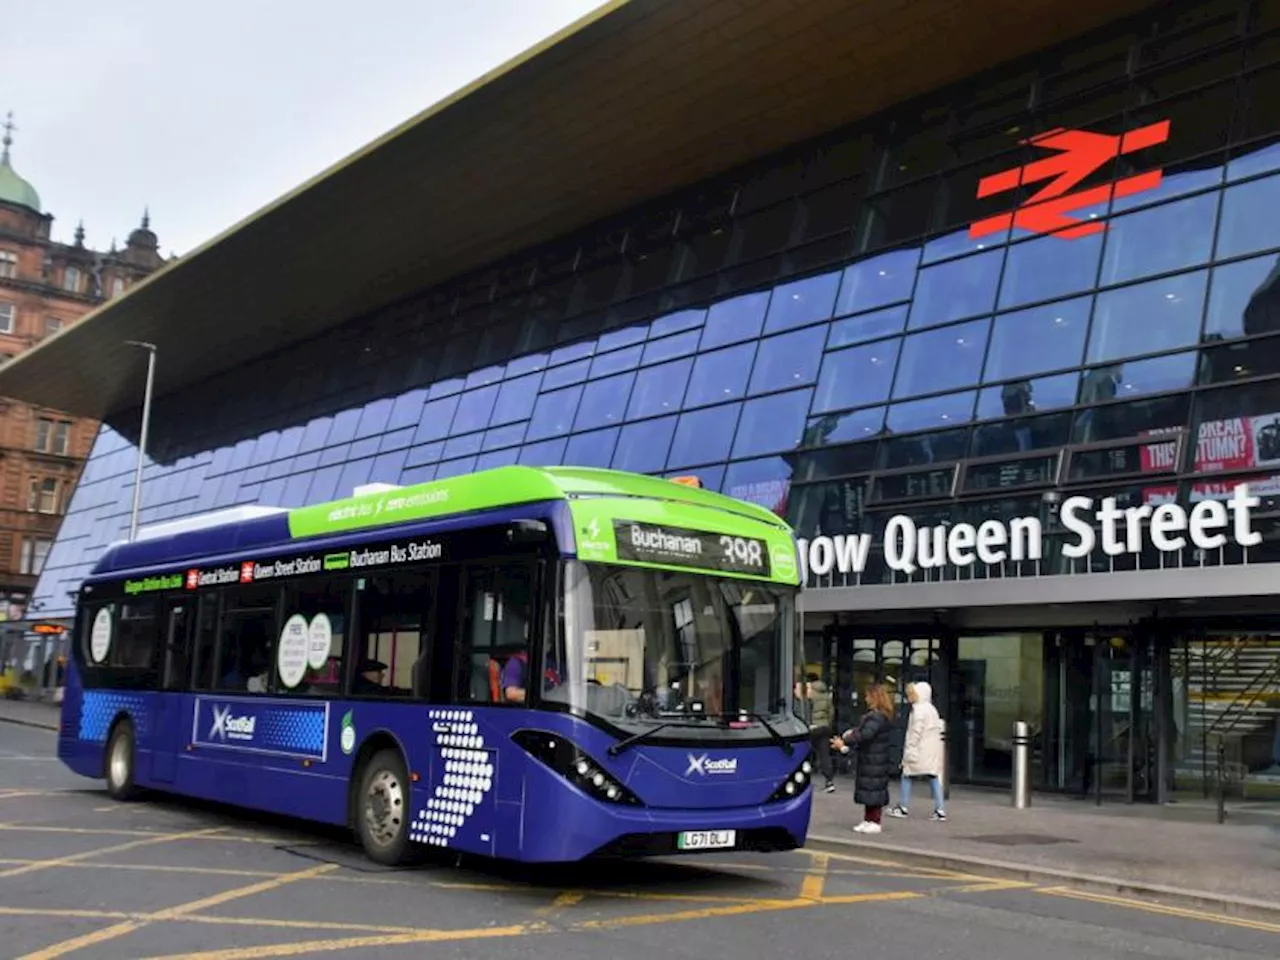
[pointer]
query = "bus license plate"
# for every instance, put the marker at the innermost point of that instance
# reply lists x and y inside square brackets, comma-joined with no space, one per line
[705,839]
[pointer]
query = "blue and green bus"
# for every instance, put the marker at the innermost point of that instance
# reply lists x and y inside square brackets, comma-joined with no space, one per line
[539,665]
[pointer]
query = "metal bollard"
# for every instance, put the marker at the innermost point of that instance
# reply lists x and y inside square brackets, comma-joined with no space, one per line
[1222,781]
[944,773]
[1021,765]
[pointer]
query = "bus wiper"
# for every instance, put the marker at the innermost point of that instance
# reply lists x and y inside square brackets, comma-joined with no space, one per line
[640,737]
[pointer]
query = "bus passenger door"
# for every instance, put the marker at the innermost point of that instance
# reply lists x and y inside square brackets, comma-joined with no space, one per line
[166,737]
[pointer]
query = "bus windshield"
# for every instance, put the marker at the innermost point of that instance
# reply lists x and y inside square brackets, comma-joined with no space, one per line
[641,648]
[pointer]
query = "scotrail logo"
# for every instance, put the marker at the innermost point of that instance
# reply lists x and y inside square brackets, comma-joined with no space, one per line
[226,727]
[705,766]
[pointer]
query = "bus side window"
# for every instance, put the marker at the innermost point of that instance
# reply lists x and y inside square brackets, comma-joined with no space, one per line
[320,606]
[247,640]
[495,636]
[177,645]
[206,642]
[393,638]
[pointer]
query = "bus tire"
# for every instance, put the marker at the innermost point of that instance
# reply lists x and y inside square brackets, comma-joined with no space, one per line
[120,762]
[384,809]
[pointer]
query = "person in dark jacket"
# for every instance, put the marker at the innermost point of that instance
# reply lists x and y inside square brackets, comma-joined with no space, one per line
[874,739]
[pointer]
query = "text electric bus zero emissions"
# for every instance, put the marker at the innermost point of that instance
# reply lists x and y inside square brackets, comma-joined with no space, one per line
[531,664]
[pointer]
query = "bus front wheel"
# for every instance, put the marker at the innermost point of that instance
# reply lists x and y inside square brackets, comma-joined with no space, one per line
[120,762]
[383,809]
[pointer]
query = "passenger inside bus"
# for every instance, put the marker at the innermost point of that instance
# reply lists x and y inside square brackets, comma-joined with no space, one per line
[515,677]
[370,678]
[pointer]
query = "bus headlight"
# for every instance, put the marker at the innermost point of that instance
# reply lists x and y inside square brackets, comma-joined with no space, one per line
[796,783]
[571,762]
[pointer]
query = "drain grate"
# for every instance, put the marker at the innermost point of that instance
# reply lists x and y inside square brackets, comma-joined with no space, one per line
[1020,839]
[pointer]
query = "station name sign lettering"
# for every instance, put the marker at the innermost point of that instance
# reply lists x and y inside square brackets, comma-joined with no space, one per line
[1088,525]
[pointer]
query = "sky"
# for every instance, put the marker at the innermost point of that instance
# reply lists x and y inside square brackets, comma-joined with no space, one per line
[204,111]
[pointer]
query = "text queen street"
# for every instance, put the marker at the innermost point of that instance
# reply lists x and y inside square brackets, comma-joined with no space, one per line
[1168,527]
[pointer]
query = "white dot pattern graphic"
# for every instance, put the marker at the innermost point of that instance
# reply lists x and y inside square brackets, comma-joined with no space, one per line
[468,776]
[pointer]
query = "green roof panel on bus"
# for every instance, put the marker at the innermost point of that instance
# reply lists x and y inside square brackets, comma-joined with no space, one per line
[618,517]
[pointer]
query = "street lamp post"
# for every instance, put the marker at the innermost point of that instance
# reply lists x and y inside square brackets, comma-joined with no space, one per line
[142,439]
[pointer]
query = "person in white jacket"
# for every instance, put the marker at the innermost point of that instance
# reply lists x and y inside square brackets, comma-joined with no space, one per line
[922,752]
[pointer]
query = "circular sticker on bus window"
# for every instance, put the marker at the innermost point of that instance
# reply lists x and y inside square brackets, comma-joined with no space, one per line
[291,652]
[319,641]
[100,636]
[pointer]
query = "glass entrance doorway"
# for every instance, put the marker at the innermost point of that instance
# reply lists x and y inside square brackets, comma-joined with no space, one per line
[1107,706]
[854,659]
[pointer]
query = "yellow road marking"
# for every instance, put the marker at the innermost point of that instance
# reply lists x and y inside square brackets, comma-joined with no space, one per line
[816,880]
[566,898]
[87,854]
[745,907]
[924,872]
[173,913]
[211,834]
[1146,907]
[990,886]
[356,943]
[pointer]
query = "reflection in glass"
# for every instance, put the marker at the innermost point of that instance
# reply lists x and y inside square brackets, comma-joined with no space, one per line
[956,289]
[1244,298]
[659,389]
[734,320]
[857,376]
[1011,474]
[593,449]
[720,375]
[941,359]
[867,326]
[1021,434]
[1047,268]
[1118,420]
[934,412]
[789,360]
[617,361]
[437,415]
[765,482]
[1149,317]
[642,447]
[515,400]
[704,436]
[802,302]
[1039,339]
[549,453]
[1027,396]
[1249,220]
[603,402]
[843,427]
[878,281]
[827,462]
[1159,239]
[558,377]
[553,414]
[771,424]
[922,448]
[668,348]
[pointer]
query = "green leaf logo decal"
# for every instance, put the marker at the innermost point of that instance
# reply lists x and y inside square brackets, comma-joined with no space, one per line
[348,738]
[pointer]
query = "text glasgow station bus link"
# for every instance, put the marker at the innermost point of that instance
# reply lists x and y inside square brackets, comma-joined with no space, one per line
[909,547]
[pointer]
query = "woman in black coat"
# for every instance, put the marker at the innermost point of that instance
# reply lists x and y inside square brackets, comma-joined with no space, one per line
[874,739]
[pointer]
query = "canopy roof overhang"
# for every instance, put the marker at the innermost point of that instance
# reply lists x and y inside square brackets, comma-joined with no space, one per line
[629,103]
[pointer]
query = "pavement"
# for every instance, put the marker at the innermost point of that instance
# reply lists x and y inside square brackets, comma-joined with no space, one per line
[31,713]
[1177,854]
[82,876]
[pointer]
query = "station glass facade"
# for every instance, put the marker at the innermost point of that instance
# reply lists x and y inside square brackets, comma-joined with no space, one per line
[1058,278]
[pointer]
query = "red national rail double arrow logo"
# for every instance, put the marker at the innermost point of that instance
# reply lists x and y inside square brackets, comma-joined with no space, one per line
[1080,153]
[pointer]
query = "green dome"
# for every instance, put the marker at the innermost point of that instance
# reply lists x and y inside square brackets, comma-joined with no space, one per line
[13,189]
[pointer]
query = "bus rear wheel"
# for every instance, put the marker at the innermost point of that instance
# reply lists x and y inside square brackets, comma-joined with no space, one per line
[383,809]
[120,762]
